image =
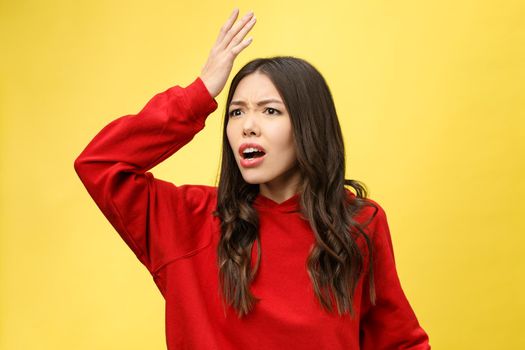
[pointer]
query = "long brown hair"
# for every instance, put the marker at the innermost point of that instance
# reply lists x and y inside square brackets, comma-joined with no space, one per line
[335,263]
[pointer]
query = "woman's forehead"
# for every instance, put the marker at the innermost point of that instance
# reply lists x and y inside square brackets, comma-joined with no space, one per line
[256,87]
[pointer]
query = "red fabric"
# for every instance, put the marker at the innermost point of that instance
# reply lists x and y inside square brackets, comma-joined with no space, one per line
[172,232]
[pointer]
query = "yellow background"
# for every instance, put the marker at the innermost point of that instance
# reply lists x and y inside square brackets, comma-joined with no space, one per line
[430,96]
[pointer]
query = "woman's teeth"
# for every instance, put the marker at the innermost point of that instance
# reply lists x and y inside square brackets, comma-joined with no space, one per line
[252,153]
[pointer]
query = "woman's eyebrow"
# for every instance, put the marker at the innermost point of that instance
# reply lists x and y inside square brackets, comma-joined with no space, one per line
[260,103]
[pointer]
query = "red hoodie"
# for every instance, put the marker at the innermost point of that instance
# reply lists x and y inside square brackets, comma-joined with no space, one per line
[172,232]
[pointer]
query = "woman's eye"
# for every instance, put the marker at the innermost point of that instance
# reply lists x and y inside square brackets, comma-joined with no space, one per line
[272,109]
[232,113]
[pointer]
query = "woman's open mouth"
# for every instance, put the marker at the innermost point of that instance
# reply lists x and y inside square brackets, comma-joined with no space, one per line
[252,159]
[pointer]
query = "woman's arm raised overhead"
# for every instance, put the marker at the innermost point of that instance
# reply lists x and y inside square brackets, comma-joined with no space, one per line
[114,165]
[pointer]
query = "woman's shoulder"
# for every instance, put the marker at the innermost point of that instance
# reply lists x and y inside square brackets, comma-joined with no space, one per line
[368,210]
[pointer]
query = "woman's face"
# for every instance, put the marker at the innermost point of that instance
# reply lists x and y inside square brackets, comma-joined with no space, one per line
[257,115]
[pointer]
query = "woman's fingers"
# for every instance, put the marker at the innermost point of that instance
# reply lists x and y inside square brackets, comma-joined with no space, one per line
[226,27]
[240,36]
[229,44]
[236,49]
[233,31]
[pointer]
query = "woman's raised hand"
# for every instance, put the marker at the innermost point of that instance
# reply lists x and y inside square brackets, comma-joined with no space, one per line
[229,43]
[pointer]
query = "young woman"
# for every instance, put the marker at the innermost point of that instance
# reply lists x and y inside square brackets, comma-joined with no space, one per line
[280,254]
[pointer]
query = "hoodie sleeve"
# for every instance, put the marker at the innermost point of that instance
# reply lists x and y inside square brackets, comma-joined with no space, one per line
[390,324]
[155,218]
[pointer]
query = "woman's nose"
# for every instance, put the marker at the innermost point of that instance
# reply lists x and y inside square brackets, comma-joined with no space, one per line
[250,123]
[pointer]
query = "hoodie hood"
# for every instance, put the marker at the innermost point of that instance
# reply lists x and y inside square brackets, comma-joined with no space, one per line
[288,206]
